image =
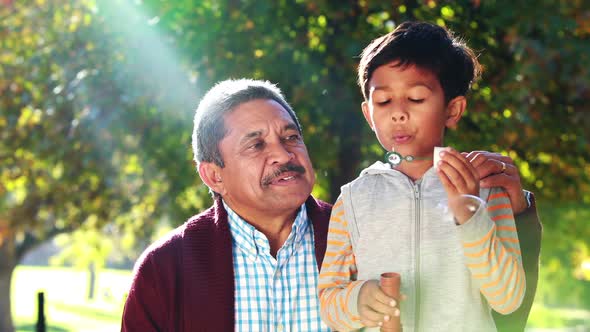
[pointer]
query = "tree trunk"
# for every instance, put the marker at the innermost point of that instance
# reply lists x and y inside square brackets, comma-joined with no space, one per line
[349,158]
[7,265]
[349,128]
[91,280]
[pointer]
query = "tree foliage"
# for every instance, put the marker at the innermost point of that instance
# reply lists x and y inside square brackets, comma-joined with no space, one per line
[97,97]
[68,155]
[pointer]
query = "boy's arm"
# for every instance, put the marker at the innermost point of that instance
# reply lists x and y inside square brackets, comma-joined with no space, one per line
[530,232]
[528,225]
[338,292]
[492,253]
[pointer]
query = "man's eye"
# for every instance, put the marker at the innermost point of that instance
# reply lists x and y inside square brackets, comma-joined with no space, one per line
[292,139]
[257,146]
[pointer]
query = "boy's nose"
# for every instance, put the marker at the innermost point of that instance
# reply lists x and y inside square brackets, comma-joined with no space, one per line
[399,117]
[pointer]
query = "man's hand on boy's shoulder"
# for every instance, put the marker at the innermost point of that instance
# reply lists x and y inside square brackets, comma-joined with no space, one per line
[496,170]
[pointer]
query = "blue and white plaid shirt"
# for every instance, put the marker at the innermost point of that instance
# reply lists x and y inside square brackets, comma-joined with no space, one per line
[275,294]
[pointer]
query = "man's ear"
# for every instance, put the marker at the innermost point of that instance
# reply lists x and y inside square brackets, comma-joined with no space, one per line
[367,114]
[210,173]
[455,109]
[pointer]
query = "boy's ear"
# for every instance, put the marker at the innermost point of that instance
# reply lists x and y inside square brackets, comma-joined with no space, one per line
[455,109]
[367,114]
[210,173]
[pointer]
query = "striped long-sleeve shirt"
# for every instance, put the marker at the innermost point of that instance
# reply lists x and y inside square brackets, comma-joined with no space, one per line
[383,222]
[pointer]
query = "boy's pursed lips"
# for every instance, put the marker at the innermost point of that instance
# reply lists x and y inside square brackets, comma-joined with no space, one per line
[402,138]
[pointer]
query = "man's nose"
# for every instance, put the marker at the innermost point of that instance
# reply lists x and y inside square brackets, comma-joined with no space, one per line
[280,154]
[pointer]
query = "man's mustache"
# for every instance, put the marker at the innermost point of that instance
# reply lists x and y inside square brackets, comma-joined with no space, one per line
[288,167]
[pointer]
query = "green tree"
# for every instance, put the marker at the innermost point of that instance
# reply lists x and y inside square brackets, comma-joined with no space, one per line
[70,132]
[85,248]
[530,103]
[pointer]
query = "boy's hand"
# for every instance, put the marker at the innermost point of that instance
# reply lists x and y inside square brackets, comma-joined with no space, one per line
[459,178]
[374,306]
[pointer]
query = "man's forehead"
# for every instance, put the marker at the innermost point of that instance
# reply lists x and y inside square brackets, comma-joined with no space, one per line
[288,126]
[256,108]
[255,119]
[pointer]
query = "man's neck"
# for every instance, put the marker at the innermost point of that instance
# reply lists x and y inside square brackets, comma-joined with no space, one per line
[275,227]
[276,230]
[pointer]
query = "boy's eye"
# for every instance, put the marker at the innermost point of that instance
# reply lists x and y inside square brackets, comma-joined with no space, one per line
[416,100]
[382,103]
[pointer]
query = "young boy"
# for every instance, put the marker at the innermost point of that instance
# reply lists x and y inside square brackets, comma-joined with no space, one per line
[458,255]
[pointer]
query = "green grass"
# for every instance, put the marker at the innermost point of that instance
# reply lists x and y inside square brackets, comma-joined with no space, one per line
[559,318]
[66,306]
[68,310]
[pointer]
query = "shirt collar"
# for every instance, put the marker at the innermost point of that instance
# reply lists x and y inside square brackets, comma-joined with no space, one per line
[252,242]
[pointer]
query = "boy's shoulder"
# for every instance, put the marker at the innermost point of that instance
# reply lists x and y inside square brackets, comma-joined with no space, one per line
[377,168]
[374,176]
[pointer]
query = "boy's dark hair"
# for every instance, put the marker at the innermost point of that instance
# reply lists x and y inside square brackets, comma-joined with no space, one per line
[427,46]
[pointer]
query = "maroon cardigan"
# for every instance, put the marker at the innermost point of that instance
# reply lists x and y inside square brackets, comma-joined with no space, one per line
[185,282]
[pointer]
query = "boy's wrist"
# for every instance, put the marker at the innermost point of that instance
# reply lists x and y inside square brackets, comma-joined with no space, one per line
[477,226]
[464,207]
[352,306]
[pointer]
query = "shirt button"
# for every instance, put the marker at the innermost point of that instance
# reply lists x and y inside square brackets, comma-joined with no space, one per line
[280,327]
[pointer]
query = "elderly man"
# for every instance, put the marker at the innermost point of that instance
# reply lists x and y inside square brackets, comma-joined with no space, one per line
[250,262]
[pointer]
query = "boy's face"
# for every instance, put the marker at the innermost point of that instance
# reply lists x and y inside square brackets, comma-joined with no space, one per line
[407,111]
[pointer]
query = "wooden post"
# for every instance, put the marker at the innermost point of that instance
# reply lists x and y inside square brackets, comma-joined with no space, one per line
[40,327]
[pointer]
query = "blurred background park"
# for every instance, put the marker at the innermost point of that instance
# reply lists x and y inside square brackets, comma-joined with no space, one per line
[96,106]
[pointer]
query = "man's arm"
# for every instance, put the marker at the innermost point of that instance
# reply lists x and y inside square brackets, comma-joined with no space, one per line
[528,226]
[143,310]
[152,303]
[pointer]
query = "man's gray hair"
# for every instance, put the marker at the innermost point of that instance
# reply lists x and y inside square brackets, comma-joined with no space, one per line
[223,98]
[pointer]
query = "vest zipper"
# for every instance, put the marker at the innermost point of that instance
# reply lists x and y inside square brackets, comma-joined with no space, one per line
[417,260]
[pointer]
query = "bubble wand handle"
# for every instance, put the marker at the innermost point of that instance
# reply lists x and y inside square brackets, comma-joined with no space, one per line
[390,285]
